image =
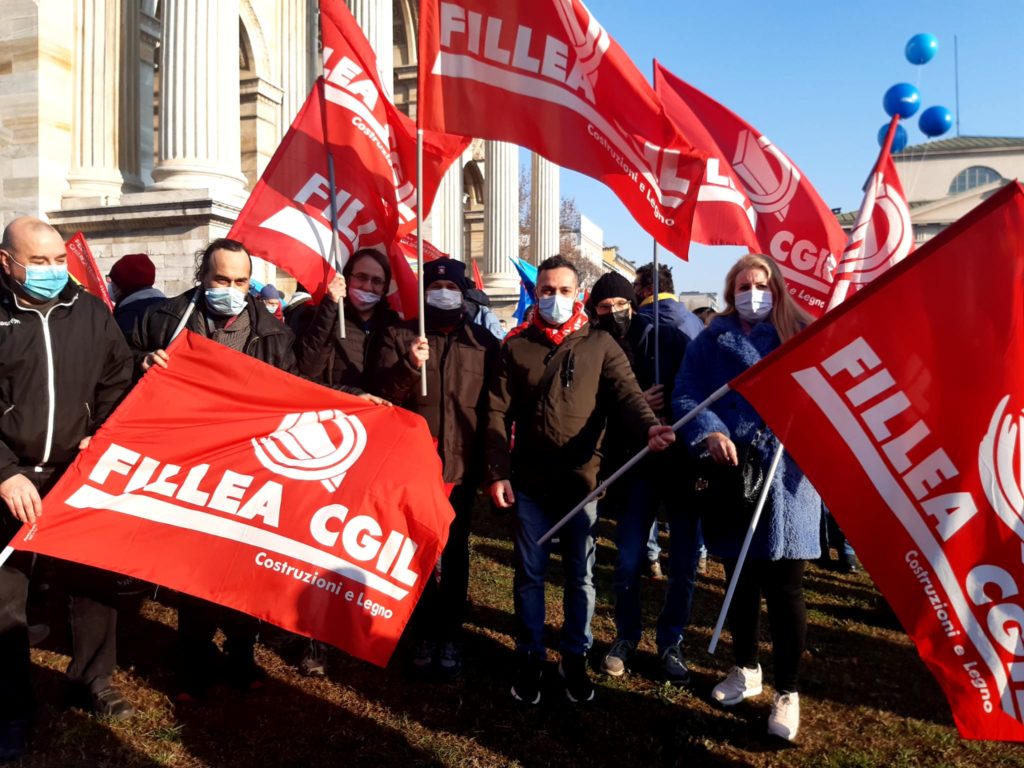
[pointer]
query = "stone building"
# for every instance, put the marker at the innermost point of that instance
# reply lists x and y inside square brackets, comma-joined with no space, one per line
[945,179]
[142,124]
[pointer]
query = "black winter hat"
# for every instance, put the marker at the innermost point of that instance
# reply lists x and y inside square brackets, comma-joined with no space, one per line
[445,269]
[609,286]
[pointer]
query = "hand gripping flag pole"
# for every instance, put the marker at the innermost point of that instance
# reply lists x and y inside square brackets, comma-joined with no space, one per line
[630,464]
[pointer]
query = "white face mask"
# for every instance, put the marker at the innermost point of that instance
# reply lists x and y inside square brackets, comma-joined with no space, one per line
[444,298]
[363,299]
[556,309]
[754,305]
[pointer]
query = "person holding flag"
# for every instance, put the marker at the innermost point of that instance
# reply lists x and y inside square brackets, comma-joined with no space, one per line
[342,363]
[220,308]
[64,365]
[759,315]
[558,382]
[460,356]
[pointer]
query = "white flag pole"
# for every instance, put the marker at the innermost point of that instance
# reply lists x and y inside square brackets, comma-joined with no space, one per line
[335,256]
[419,251]
[8,551]
[657,347]
[630,464]
[761,499]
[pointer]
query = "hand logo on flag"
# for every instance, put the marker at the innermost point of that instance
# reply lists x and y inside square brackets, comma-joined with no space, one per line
[768,191]
[1001,483]
[302,448]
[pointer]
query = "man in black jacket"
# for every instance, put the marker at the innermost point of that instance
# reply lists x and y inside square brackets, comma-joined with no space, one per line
[64,366]
[221,309]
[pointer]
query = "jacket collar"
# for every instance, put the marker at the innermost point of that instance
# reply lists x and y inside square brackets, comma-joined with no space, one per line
[746,348]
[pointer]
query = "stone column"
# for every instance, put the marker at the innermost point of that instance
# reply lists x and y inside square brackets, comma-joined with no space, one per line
[200,146]
[130,144]
[544,209]
[375,18]
[295,26]
[149,38]
[95,170]
[501,216]
[446,230]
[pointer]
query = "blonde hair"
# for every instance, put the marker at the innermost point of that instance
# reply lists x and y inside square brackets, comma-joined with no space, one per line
[787,317]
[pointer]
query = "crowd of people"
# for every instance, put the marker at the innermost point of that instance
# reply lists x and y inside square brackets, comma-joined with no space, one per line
[533,418]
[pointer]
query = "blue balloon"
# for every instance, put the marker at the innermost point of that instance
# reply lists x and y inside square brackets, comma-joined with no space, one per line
[902,99]
[921,48]
[935,121]
[899,139]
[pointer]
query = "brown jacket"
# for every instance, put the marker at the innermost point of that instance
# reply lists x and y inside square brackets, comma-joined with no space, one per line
[560,399]
[340,363]
[455,407]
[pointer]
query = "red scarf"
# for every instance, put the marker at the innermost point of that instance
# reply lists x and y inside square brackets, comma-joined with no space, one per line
[556,334]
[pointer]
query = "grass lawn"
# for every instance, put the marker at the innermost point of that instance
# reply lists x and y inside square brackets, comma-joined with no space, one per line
[867,699]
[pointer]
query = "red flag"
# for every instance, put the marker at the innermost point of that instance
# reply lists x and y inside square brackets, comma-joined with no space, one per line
[430,251]
[545,75]
[883,235]
[753,195]
[478,281]
[907,414]
[82,266]
[305,507]
[361,121]
[287,218]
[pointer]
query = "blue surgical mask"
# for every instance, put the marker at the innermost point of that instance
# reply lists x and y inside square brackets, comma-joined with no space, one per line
[754,305]
[556,309]
[45,282]
[225,301]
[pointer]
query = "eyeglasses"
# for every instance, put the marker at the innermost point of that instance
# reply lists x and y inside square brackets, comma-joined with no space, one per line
[614,305]
[362,277]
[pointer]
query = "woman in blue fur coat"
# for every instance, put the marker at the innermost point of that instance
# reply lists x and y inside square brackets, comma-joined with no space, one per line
[760,314]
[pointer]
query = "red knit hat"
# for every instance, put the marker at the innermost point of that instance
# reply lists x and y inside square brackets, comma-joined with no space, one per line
[132,273]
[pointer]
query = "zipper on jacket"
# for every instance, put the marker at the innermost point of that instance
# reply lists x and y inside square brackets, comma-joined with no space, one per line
[51,384]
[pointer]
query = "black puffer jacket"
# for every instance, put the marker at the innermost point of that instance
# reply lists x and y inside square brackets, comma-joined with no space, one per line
[62,372]
[270,340]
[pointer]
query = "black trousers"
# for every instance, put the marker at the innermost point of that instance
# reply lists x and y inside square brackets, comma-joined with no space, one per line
[92,624]
[441,610]
[781,583]
[198,621]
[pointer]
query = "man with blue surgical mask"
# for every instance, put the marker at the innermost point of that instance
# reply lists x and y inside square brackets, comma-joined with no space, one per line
[558,383]
[64,366]
[222,309]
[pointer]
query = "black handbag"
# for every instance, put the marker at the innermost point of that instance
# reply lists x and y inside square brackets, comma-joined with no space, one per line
[725,495]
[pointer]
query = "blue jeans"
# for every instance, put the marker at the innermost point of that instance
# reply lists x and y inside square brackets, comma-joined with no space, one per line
[577,549]
[635,506]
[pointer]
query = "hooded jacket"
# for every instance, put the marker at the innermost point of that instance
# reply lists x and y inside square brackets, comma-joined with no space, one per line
[63,369]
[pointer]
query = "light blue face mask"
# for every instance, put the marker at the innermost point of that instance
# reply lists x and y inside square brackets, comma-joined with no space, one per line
[227,302]
[45,282]
[556,309]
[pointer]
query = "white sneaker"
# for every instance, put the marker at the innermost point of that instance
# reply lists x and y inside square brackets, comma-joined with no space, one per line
[784,720]
[738,685]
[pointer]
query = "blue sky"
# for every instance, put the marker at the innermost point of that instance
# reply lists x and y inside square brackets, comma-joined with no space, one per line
[810,76]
